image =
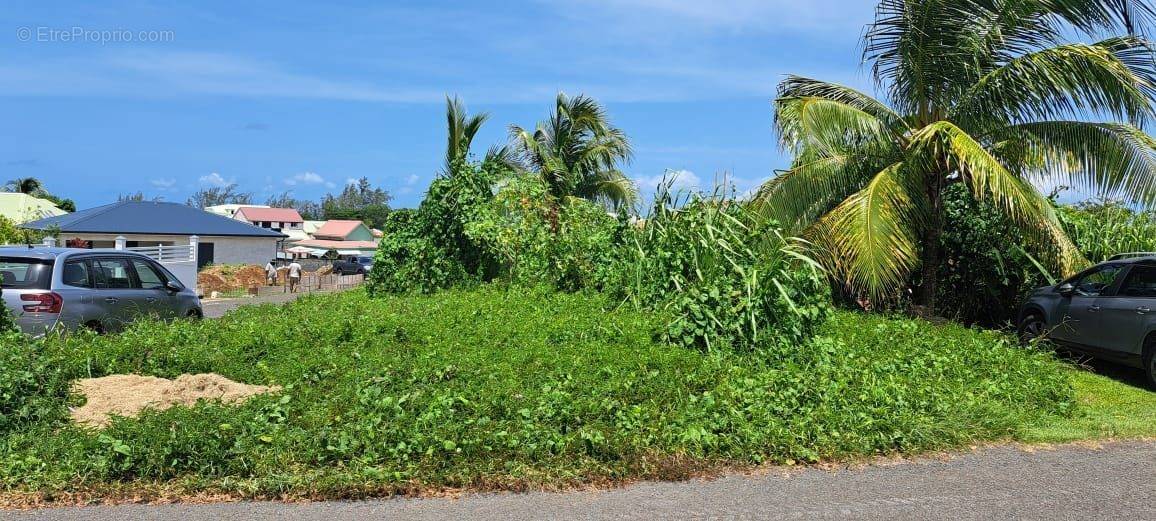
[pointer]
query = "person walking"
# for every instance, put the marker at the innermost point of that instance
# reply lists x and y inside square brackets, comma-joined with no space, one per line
[294,276]
[271,272]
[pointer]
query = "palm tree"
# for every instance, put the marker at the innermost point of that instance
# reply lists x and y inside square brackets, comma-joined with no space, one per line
[577,152]
[461,129]
[987,93]
[24,185]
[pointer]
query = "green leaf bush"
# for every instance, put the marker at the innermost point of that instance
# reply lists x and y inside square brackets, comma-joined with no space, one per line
[536,239]
[426,249]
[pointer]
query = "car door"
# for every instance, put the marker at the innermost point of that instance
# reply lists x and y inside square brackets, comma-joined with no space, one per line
[154,298]
[1125,317]
[1080,313]
[114,293]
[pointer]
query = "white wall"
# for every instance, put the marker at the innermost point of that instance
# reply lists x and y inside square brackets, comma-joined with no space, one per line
[242,250]
[226,250]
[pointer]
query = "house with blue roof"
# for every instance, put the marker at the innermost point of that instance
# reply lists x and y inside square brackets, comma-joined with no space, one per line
[220,240]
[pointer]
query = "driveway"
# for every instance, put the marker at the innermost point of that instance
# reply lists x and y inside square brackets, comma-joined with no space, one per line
[1117,481]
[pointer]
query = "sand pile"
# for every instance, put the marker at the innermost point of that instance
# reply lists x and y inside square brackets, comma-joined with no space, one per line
[129,394]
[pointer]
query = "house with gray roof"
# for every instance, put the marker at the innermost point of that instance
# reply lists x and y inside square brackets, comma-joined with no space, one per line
[220,240]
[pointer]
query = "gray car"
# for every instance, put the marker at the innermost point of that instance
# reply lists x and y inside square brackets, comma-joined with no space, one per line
[103,290]
[1107,311]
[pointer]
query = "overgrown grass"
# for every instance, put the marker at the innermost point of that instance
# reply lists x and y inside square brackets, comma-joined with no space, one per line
[1109,406]
[512,389]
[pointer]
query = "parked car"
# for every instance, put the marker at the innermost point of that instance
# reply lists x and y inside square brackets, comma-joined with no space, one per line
[1106,311]
[355,266]
[104,290]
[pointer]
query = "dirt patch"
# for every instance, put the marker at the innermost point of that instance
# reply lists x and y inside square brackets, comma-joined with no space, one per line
[129,394]
[230,278]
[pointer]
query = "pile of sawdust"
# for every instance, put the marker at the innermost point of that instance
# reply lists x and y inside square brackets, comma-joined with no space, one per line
[129,394]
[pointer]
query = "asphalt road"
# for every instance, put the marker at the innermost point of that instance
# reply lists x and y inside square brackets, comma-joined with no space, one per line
[1116,482]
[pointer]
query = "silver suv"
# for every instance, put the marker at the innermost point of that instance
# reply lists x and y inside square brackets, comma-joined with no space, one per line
[104,290]
[1107,311]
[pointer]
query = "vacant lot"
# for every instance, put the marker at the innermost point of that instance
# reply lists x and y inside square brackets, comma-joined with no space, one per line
[505,389]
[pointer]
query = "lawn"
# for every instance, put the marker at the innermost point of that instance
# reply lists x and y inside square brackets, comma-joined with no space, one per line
[1114,404]
[497,389]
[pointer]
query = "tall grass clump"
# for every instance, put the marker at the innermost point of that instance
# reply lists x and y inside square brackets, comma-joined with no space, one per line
[727,276]
[1102,229]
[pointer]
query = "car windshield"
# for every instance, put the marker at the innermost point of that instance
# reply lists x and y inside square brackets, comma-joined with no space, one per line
[20,273]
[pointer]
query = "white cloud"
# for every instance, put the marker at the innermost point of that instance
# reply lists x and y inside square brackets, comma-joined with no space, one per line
[737,15]
[215,179]
[680,181]
[164,184]
[155,73]
[307,178]
[411,182]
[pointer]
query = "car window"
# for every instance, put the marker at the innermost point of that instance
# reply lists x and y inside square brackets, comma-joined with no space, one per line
[18,273]
[76,274]
[1093,283]
[112,273]
[1140,282]
[148,275]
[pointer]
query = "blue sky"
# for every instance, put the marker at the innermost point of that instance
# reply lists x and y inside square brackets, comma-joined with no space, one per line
[277,96]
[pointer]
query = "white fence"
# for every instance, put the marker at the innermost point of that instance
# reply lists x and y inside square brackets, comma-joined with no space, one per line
[180,259]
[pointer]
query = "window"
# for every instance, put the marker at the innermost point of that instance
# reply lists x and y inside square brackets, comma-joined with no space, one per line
[1093,283]
[76,274]
[1141,282]
[148,275]
[20,273]
[110,273]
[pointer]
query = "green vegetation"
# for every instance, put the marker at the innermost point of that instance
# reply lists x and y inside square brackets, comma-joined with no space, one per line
[515,334]
[984,94]
[495,388]
[727,277]
[577,153]
[1106,407]
[1103,229]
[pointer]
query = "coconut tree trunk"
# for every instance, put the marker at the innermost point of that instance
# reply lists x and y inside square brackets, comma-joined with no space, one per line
[925,295]
[929,272]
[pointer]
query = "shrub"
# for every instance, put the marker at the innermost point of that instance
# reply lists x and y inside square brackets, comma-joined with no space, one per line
[727,276]
[984,272]
[33,386]
[537,239]
[427,249]
[408,260]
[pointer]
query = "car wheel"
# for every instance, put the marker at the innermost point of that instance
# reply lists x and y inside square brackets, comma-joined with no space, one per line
[94,326]
[1032,327]
[194,314]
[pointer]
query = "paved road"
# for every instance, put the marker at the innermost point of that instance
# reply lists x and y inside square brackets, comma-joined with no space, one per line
[1117,482]
[218,308]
